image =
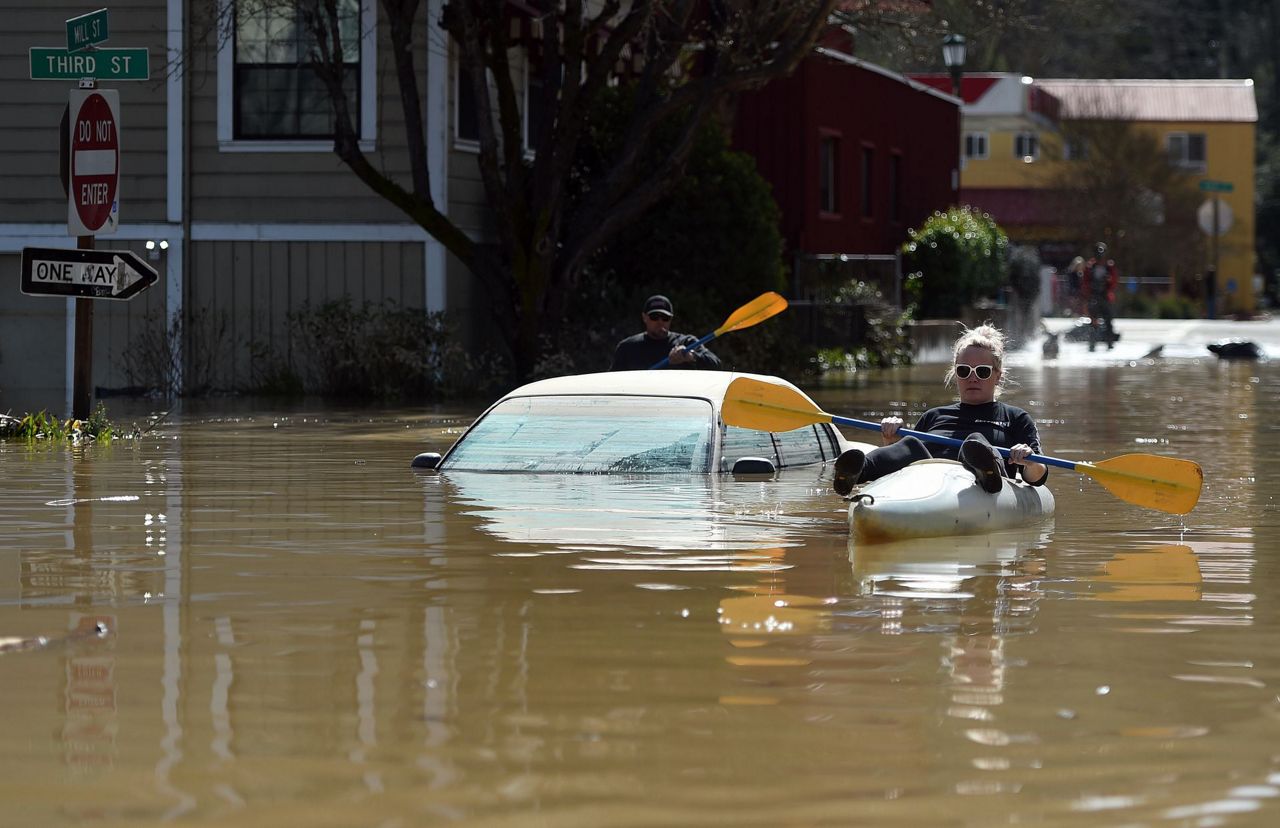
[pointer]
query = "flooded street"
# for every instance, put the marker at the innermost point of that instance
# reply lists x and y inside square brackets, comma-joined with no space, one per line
[299,629]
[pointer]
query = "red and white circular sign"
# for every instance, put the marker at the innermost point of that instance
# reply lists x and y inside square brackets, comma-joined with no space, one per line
[94,161]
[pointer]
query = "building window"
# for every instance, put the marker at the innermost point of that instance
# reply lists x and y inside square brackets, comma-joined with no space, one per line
[1026,145]
[895,187]
[1187,150]
[278,92]
[529,86]
[1075,149]
[868,164]
[270,96]
[975,145]
[829,174]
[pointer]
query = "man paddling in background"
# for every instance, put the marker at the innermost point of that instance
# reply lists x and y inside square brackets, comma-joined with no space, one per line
[658,342]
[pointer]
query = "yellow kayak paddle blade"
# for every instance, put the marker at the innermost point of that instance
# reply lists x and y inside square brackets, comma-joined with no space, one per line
[754,312]
[763,406]
[1166,484]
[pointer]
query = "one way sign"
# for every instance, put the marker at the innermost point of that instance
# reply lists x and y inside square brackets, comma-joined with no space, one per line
[96,274]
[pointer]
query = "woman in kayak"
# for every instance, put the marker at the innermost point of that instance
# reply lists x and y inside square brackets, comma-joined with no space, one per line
[978,419]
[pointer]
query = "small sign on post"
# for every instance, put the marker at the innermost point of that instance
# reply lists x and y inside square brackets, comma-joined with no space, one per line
[56,63]
[1210,186]
[86,30]
[93,274]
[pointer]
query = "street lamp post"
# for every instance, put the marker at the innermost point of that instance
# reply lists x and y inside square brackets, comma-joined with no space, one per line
[953,48]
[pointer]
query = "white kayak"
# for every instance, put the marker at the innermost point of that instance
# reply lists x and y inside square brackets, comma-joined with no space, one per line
[935,498]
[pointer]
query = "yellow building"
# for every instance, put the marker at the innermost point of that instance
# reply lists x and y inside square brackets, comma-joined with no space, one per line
[1013,146]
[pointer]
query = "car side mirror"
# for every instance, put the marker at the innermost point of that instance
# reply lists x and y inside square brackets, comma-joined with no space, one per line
[426,460]
[753,465]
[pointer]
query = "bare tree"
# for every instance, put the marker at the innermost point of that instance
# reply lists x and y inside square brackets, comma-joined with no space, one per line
[684,61]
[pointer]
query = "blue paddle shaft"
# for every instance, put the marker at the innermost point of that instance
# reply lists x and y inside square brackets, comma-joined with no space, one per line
[949,441]
[666,360]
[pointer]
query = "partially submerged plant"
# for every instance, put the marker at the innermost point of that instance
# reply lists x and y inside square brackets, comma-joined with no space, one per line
[42,425]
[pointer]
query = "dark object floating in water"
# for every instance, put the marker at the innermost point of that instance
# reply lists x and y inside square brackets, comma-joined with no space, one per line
[1049,348]
[1235,349]
[1080,333]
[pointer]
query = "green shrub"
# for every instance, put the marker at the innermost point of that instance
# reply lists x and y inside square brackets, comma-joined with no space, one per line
[956,258]
[1177,307]
[383,353]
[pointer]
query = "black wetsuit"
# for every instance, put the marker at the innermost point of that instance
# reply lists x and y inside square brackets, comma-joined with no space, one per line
[641,352]
[1001,424]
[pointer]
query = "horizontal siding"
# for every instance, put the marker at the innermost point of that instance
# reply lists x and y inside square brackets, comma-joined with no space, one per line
[241,294]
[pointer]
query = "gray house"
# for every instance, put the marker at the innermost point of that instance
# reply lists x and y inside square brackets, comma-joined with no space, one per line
[228,187]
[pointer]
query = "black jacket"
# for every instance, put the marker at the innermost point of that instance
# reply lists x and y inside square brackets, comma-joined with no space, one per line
[640,352]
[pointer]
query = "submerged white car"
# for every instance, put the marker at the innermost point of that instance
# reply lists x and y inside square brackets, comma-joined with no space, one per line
[629,422]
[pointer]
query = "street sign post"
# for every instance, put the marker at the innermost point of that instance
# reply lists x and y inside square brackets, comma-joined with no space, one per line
[93,162]
[86,30]
[56,63]
[94,274]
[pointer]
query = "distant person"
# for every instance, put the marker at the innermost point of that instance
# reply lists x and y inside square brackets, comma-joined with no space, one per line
[644,350]
[978,419]
[1075,284]
[1100,278]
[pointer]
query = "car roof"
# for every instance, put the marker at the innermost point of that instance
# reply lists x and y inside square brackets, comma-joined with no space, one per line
[708,385]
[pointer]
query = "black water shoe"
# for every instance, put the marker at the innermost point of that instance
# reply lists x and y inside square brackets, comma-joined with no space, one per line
[977,457]
[848,468]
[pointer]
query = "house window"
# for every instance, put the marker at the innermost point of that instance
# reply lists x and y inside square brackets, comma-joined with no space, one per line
[270,96]
[868,163]
[278,92]
[895,187]
[975,145]
[1026,145]
[829,174]
[1186,149]
[1075,149]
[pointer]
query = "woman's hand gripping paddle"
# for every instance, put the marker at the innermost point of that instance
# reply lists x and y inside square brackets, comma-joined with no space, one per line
[1165,484]
[754,312]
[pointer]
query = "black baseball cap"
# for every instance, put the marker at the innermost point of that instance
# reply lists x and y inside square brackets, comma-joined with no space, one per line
[659,304]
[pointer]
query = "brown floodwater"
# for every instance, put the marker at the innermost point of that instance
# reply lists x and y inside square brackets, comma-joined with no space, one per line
[262,616]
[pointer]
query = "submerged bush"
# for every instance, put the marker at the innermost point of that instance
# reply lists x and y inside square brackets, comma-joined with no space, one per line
[42,425]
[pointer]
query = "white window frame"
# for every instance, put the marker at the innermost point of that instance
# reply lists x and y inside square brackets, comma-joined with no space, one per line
[1181,158]
[518,60]
[1020,140]
[368,88]
[976,138]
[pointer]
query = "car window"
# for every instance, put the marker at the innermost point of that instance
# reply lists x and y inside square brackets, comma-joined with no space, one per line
[589,434]
[800,447]
[745,442]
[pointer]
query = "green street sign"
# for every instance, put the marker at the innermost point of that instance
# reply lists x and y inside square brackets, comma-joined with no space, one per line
[86,30]
[52,63]
[1210,186]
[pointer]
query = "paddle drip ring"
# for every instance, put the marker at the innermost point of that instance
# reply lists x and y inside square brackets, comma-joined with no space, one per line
[864,499]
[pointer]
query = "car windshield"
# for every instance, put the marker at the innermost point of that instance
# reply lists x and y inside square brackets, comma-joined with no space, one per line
[589,434]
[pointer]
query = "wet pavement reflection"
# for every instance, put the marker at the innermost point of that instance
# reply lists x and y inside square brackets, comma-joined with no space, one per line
[261,615]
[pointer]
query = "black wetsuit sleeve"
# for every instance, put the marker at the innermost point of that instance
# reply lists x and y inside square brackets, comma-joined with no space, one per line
[1022,429]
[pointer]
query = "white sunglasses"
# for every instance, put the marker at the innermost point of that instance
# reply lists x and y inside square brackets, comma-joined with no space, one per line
[983,371]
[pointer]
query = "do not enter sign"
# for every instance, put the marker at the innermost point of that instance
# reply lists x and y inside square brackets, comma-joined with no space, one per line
[93,162]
